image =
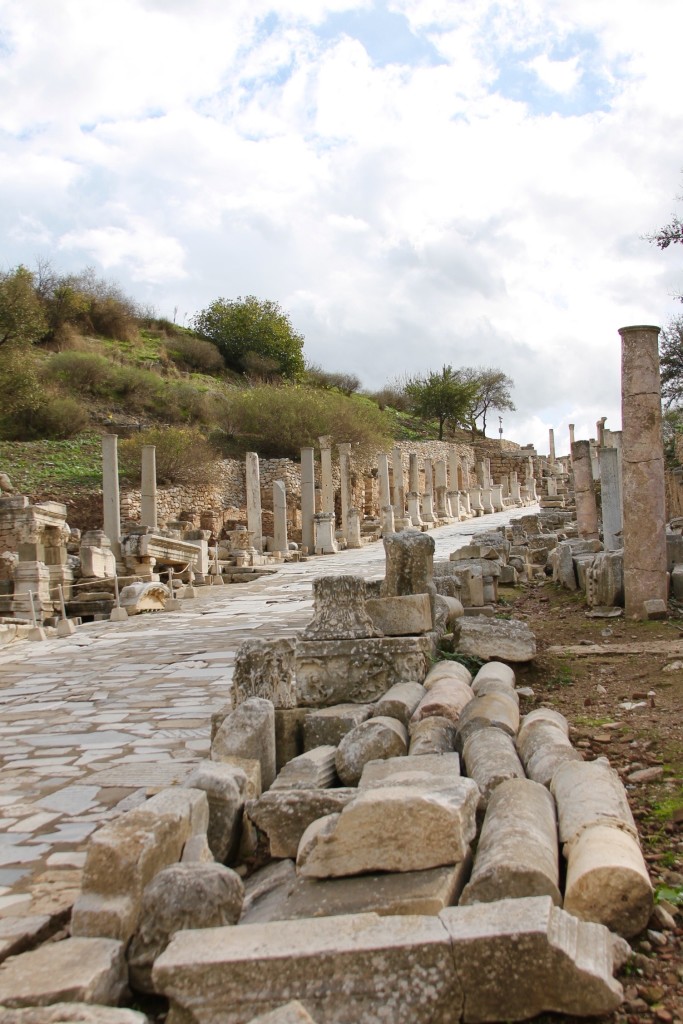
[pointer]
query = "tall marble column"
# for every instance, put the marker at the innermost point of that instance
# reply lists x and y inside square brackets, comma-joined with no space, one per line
[307,497]
[280,543]
[571,439]
[584,491]
[428,496]
[551,446]
[110,492]
[344,449]
[399,484]
[383,475]
[327,497]
[254,516]
[645,563]
[148,503]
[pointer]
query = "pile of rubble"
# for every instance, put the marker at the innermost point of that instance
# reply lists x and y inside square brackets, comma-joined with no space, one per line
[392,802]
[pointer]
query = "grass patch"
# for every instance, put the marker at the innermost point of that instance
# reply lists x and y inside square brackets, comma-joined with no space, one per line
[36,466]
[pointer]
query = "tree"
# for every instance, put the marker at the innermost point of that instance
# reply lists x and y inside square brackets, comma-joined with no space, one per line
[493,392]
[444,395]
[22,321]
[671,362]
[253,334]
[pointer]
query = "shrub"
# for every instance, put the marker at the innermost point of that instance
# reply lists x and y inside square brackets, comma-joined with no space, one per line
[141,389]
[53,419]
[195,354]
[280,421]
[83,372]
[183,455]
[347,383]
[190,403]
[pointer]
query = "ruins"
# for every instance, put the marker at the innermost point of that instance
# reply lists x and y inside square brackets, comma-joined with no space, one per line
[370,829]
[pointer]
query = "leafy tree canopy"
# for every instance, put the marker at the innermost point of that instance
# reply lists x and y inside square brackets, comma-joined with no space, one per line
[254,336]
[442,395]
[493,392]
[22,321]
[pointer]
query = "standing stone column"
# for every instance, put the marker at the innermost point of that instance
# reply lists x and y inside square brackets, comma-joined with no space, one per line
[514,488]
[645,584]
[584,491]
[610,492]
[307,497]
[280,543]
[475,501]
[399,484]
[571,440]
[600,428]
[428,496]
[345,488]
[441,483]
[383,474]
[413,495]
[327,497]
[148,504]
[110,492]
[353,539]
[254,520]
[551,446]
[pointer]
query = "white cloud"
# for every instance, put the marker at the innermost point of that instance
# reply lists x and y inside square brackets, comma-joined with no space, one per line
[406,214]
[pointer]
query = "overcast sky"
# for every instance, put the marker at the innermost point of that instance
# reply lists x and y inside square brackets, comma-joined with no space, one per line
[416,182]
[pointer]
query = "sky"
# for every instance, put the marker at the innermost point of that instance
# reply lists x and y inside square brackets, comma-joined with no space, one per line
[417,183]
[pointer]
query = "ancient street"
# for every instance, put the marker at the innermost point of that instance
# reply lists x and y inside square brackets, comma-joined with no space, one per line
[93,723]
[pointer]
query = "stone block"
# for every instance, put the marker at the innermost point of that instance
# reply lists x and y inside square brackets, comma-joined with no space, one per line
[384,829]
[225,786]
[605,580]
[514,959]
[179,897]
[378,738]
[517,852]
[496,639]
[339,611]
[85,970]
[124,855]
[408,615]
[289,734]
[314,769]
[440,769]
[360,967]
[358,671]
[328,726]
[71,1013]
[249,732]
[406,892]
[266,891]
[518,958]
[144,597]
[677,582]
[266,669]
[292,1012]
[284,815]
[447,670]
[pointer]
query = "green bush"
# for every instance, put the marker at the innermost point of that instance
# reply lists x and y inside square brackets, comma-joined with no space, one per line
[141,389]
[83,372]
[279,421]
[183,455]
[195,354]
[54,419]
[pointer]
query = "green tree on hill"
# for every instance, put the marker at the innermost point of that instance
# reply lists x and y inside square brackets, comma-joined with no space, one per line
[442,395]
[22,320]
[254,336]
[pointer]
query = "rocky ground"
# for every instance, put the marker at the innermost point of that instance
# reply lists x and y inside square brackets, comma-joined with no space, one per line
[626,707]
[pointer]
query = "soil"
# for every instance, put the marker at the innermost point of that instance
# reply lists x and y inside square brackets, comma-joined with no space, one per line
[626,707]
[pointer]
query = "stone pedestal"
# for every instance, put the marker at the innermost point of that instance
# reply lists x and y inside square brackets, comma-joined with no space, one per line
[323,529]
[32,578]
[428,516]
[475,501]
[353,537]
[497,498]
[514,489]
[388,520]
[339,610]
[465,504]
[253,486]
[454,504]
[414,508]
[643,473]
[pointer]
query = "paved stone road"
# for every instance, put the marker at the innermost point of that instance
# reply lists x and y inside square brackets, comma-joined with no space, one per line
[92,723]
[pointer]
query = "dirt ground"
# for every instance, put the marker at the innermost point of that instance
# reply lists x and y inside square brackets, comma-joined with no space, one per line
[626,707]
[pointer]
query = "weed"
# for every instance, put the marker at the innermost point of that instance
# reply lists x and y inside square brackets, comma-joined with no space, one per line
[563,677]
